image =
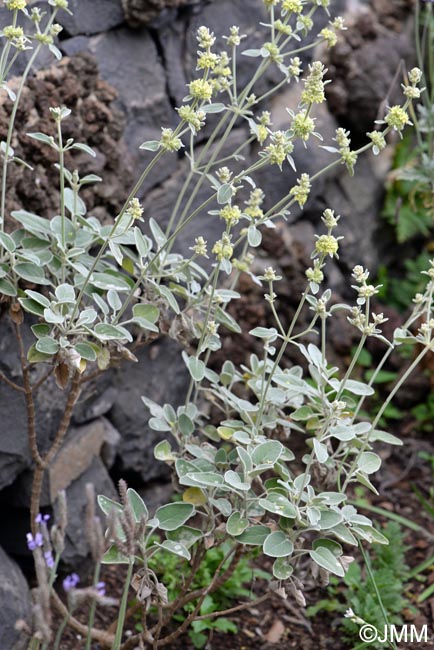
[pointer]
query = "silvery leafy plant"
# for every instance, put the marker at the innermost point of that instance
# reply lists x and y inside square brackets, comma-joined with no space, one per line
[91,290]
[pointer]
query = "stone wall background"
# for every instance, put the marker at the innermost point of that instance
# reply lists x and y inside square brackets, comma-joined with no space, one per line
[125,70]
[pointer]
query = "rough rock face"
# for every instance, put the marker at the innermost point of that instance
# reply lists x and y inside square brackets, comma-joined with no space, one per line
[77,549]
[92,16]
[14,449]
[366,64]
[129,415]
[14,604]
[129,61]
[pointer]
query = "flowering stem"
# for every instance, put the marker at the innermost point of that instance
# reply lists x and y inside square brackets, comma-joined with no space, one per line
[304,48]
[61,629]
[386,403]
[11,63]
[272,90]
[234,73]
[399,383]
[231,157]
[261,69]
[377,592]
[204,328]
[223,307]
[178,202]
[242,98]
[209,164]
[284,203]
[323,341]
[53,573]
[352,365]
[417,24]
[123,607]
[275,314]
[282,350]
[6,50]
[190,175]
[96,575]
[272,21]
[12,122]
[414,316]
[372,380]
[168,244]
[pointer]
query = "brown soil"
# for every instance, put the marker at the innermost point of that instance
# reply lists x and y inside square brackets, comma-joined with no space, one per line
[73,83]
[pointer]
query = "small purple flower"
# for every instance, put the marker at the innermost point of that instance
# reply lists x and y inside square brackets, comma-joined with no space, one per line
[100,587]
[42,519]
[33,542]
[70,582]
[49,559]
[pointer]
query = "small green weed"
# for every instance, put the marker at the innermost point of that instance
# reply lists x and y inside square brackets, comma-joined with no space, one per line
[408,205]
[390,573]
[382,377]
[398,292]
[424,414]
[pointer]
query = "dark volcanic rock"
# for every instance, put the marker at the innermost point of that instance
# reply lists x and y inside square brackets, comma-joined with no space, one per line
[129,61]
[15,604]
[160,375]
[14,442]
[92,16]
[77,548]
[366,65]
